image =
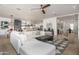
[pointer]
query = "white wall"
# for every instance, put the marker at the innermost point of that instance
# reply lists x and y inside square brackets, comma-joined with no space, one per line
[78,25]
[53,22]
[5,19]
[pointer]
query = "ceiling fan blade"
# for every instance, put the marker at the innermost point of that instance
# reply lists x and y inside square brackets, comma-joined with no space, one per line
[43,11]
[46,6]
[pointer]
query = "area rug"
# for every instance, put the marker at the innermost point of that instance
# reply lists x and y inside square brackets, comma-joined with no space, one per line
[60,46]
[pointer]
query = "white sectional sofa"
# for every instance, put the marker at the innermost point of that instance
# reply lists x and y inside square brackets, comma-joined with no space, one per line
[26,44]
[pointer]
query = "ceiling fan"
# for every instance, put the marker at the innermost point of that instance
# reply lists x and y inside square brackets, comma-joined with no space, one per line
[42,8]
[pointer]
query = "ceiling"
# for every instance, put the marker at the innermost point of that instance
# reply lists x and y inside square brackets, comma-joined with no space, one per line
[25,12]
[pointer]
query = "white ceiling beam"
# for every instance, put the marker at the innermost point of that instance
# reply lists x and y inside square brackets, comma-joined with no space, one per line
[68,14]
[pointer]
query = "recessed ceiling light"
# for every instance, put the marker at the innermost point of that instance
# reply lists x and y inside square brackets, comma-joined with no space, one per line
[74,7]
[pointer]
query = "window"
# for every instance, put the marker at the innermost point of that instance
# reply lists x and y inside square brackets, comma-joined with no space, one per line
[72,26]
[4,24]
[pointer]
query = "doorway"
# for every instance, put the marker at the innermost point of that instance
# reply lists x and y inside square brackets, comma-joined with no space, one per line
[67,27]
